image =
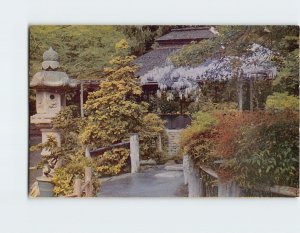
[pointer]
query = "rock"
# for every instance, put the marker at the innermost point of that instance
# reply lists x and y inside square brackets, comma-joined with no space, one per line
[177,167]
[148,162]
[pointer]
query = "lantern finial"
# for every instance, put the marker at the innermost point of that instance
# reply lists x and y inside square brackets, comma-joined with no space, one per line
[50,60]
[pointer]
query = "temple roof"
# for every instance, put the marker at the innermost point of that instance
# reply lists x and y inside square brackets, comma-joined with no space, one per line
[257,63]
[170,43]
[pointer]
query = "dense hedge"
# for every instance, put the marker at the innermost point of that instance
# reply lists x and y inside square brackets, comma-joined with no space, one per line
[259,148]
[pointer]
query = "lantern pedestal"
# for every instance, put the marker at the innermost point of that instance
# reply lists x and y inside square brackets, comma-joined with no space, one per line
[45,186]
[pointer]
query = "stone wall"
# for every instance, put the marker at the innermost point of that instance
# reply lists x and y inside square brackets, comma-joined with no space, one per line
[173,141]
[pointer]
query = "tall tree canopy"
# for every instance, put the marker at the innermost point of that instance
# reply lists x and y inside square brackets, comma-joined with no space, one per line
[83,50]
[142,37]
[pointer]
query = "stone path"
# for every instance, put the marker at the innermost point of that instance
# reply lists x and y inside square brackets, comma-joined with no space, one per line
[155,181]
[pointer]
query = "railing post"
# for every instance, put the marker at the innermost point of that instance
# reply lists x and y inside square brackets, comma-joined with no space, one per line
[87,152]
[134,153]
[77,187]
[88,178]
[228,189]
[195,184]
[159,144]
[185,165]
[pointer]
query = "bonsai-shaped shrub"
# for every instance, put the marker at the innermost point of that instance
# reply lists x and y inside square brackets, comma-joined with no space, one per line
[114,111]
[70,155]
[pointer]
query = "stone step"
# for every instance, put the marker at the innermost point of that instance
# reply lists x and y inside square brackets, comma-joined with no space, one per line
[177,167]
[148,162]
[173,142]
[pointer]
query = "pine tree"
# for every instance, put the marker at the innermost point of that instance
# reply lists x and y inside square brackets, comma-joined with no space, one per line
[113,111]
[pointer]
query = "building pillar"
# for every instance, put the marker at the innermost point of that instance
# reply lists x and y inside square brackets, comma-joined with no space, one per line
[240,94]
[251,93]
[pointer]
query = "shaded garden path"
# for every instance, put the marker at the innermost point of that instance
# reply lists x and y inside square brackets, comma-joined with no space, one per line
[152,182]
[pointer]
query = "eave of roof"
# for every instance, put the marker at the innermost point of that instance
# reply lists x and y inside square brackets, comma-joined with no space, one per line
[154,58]
[187,34]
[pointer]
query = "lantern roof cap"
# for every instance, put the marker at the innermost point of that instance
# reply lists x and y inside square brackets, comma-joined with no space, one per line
[50,76]
[50,60]
[50,55]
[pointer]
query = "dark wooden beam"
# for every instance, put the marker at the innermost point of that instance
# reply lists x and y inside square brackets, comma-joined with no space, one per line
[101,150]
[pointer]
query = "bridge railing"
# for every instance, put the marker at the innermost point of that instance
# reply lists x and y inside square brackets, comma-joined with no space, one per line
[133,144]
[228,188]
[86,187]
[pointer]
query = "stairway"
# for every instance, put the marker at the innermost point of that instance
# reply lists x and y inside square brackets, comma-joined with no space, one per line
[173,141]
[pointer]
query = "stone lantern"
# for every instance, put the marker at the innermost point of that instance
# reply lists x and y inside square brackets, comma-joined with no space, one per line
[50,85]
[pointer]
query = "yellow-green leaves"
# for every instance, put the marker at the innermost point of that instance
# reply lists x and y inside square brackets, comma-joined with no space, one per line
[281,101]
[122,44]
[113,111]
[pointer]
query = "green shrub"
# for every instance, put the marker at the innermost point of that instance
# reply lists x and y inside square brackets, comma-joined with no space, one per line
[267,151]
[64,176]
[70,154]
[281,101]
[256,148]
[197,140]
[153,126]
[112,162]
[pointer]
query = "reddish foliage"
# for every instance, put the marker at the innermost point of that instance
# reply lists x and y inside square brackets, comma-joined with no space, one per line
[228,130]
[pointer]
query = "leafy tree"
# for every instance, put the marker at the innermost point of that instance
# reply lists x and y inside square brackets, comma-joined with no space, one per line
[141,38]
[83,50]
[113,111]
[287,79]
[265,150]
